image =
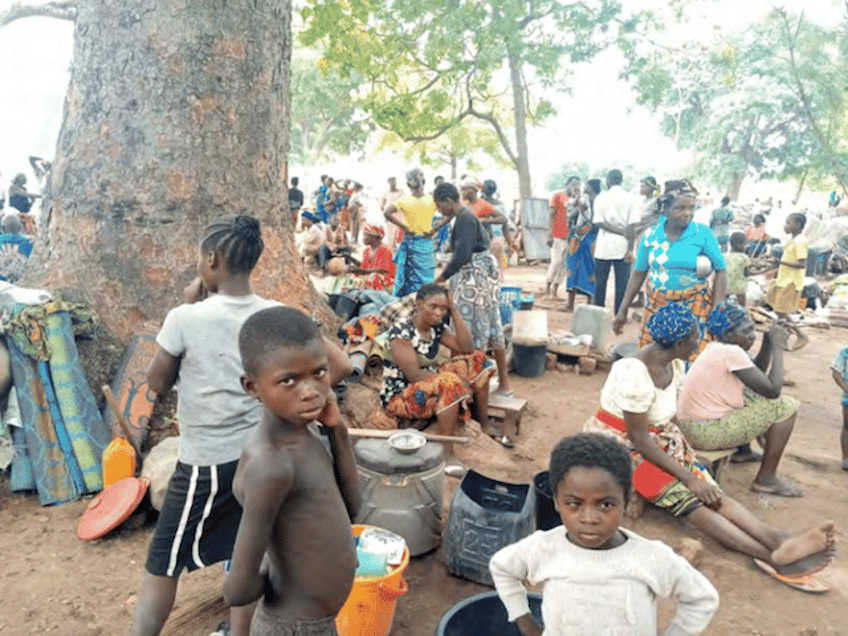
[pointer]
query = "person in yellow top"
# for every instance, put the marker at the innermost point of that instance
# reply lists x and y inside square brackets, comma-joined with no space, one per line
[415,257]
[785,291]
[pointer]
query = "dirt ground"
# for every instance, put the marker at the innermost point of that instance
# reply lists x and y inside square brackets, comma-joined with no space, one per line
[54,583]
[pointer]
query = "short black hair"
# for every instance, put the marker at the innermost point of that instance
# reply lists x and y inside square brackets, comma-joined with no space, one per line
[594,185]
[430,289]
[295,181]
[272,328]
[238,239]
[614,177]
[800,218]
[725,200]
[760,217]
[738,238]
[591,450]
[445,191]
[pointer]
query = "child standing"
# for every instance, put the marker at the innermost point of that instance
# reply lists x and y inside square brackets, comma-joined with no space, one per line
[294,547]
[198,351]
[785,291]
[738,268]
[840,376]
[598,578]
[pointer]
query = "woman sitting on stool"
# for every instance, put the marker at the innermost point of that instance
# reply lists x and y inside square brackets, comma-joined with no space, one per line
[415,387]
[729,399]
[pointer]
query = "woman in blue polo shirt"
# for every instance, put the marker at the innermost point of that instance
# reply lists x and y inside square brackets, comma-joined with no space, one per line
[668,259]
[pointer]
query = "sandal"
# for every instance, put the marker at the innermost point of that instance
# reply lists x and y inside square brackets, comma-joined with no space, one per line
[782,489]
[806,583]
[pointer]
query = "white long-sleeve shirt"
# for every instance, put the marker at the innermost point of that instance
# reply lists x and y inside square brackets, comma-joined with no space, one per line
[602,592]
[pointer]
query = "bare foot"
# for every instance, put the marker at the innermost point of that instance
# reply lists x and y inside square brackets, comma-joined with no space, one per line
[799,546]
[809,564]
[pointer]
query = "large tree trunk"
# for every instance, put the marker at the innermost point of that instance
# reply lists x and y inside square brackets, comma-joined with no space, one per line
[735,186]
[176,113]
[525,188]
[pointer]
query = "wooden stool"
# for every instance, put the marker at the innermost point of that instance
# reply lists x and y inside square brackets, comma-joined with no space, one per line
[716,460]
[513,408]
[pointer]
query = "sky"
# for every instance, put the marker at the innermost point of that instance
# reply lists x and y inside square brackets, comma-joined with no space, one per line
[599,123]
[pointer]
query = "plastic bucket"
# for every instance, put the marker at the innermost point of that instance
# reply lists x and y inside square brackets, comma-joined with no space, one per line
[530,327]
[529,360]
[546,515]
[370,608]
[484,615]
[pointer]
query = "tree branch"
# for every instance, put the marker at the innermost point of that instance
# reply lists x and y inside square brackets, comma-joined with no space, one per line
[58,10]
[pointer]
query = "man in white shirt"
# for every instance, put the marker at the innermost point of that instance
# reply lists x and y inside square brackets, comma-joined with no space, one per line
[615,210]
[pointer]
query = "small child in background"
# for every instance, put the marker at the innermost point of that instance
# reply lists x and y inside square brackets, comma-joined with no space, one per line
[785,291]
[756,236]
[598,578]
[738,265]
[840,376]
[295,547]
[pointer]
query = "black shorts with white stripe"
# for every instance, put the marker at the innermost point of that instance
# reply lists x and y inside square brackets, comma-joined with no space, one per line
[199,520]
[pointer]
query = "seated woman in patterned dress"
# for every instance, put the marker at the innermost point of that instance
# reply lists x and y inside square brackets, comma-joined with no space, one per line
[415,387]
[638,408]
[729,399]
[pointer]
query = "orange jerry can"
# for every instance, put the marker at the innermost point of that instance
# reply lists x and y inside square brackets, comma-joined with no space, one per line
[118,461]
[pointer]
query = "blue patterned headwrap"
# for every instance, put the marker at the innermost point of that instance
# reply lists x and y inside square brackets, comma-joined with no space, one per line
[724,317]
[670,324]
[310,217]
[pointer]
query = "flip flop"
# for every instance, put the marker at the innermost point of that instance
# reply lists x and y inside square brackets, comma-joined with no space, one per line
[742,458]
[806,583]
[784,490]
[500,438]
[507,394]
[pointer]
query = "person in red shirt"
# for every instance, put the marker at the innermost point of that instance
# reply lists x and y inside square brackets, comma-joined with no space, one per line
[558,243]
[377,260]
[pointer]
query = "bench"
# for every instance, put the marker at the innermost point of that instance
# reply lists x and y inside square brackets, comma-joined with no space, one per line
[512,408]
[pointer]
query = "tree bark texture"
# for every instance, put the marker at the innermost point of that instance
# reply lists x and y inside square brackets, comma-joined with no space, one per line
[177,113]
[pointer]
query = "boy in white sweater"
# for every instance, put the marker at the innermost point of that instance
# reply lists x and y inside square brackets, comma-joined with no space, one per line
[599,579]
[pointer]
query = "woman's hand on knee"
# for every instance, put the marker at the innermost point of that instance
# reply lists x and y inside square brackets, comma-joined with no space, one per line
[708,494]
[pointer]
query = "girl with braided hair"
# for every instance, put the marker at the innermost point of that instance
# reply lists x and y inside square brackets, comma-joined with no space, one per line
[638,407]
[198,349]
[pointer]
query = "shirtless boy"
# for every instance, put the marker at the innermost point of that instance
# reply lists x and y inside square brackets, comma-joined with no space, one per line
[295,547]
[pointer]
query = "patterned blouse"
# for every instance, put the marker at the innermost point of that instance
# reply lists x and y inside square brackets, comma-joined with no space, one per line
[394,381]
[673,264]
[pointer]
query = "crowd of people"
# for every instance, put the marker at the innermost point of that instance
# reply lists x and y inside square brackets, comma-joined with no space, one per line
[18,223]
[256,487]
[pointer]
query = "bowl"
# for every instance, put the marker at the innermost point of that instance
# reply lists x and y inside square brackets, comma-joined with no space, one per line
[407,442]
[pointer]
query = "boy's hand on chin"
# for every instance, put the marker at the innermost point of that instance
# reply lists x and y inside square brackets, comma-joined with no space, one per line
[331,417]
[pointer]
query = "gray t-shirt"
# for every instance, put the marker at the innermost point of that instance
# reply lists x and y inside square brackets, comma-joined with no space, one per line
[216,415]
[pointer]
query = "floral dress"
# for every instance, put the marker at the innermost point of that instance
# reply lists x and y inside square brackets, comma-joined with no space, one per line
[448,385]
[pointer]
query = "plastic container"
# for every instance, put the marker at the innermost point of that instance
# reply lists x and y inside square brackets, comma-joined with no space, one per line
[509,302]
[546,515]
[595,321]
[526,302]
[485,515]
[402,493]
[529,360]
[530,327]
[370,608]
[484,615]
[118,461]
